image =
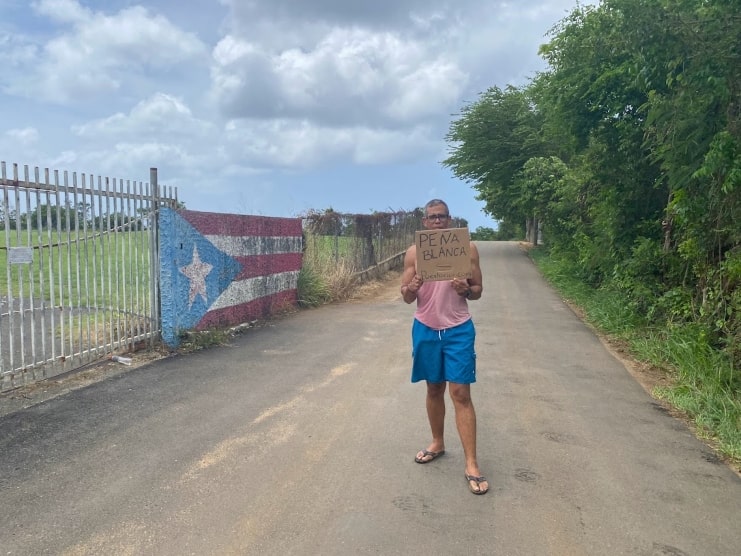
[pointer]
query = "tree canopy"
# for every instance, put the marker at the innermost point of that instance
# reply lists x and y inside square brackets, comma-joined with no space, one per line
[627,150]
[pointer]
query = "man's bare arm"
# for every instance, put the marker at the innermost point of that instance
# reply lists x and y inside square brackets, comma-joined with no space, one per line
[476,282]
[472,287]
[410,281]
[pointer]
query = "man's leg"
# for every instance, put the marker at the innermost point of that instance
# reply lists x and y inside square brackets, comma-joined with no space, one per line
[436,416]
[465,420]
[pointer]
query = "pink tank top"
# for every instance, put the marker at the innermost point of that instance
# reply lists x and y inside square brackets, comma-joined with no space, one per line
[439,306]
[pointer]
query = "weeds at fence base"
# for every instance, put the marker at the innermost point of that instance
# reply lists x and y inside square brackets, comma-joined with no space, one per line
[203,339]
[324,282]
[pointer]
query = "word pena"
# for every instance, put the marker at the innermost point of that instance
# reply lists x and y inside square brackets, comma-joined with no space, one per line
[443,254]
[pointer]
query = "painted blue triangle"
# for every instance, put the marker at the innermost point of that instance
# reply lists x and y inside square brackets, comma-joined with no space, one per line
[185,242]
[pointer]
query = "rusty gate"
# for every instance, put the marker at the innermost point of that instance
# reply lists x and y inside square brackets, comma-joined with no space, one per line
[78,270]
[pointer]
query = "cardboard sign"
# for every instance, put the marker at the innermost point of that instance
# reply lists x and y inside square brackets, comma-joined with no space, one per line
[443,254]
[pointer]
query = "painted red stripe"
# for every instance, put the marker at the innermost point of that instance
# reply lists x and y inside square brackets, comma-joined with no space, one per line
[210,223]
[246,312]
[264,265]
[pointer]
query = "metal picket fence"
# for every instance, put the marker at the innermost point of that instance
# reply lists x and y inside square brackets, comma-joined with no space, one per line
[78,270]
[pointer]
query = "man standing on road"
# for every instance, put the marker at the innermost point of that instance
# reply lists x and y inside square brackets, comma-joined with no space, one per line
[443,347]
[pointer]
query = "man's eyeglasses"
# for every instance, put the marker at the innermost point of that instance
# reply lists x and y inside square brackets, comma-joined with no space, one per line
[437,217]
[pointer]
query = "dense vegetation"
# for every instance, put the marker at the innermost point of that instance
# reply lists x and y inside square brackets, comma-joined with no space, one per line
[626,154]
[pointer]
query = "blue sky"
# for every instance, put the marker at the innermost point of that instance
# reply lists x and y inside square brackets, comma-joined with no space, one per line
[268,107]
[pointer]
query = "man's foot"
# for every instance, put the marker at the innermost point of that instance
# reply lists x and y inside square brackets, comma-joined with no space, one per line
[426,456]
[477,485]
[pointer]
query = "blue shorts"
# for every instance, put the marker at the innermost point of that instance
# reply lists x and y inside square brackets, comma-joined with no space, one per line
[444,355]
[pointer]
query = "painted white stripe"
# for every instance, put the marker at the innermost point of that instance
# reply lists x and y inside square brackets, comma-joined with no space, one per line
[243,246]
[244,291]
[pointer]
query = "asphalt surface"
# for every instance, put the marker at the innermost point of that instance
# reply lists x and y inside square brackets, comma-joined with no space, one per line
[300,436]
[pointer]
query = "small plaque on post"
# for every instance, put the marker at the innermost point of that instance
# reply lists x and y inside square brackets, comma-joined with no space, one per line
[20,255]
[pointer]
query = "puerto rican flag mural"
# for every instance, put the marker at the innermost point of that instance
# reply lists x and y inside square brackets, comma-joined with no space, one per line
[219,270]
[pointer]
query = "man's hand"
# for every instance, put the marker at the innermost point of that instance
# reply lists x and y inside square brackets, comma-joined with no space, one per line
[415,283]
[460,285]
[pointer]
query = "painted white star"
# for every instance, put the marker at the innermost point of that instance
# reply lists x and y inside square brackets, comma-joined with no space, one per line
[196,272]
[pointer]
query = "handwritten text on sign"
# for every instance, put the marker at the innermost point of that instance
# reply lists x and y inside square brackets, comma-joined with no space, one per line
[443,254]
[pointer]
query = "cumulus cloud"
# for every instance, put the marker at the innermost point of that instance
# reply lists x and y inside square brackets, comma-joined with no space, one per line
[26,136]
[339,64]
[220,92]
[351,77]
[24,139]
[292,144]
[16,52]
[249,17]
[64,11]
[132,160]
[159,131]
[161,114]
[364,70]
[96,54]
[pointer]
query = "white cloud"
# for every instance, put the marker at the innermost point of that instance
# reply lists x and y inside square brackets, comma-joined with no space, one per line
[394,146]
[25,140]
[220,94]
[97,54]
[161,114]
[366,82]
[16,52]
[64,11]
[65,159]
[351,77]
[160,131]
[25,137]
[291,144]
[130,160]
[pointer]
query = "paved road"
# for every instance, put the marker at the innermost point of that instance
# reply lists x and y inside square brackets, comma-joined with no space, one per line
[299,438]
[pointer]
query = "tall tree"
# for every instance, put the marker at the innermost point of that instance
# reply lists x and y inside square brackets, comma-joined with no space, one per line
[490,142]
[591,94]
[649,93]
[642,103]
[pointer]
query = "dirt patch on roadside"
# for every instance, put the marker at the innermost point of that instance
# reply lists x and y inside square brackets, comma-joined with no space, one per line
[387,287]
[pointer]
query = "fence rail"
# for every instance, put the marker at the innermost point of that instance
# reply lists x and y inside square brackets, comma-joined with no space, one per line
[78,269]
[361,241]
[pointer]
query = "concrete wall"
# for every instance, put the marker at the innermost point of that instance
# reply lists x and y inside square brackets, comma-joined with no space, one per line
[220,270]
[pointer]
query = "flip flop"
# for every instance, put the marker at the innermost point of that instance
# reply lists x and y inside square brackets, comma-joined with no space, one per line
[428,454]
[478,481]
